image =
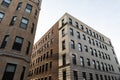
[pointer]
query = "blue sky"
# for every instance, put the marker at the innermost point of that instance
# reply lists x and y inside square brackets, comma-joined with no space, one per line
[102,15]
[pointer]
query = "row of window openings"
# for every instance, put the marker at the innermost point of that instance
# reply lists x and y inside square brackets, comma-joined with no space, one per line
[91,76]
[43,48]
[41,69]
[88,31]
[43,57]
[10,72]
[48,36]
[23,24]
[28,8]
[17,45]
[90,41]
[96,64]
[93,52]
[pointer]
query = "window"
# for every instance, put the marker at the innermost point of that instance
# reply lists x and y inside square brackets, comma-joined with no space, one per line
[86,48]
[71,32]
[98,65]
[4,41]
[63,32]
[74,59]
[28,8]
[81,61]
[93,42]
[94,64]
[17,43]
[88,62]
[97,77]
[76,23]
[28,48]
[78,35]
[70,20]
[50,77]
[19,6]
[32,29]
[116,60]
[64,74]
[84,75]
[72,44]
[91,50]
[79,47]
[75,75]
[84,37]
[6,3]
[63,22]
[9,72]
[50,65]
[89,40]
[24,23]
[101,77]
[1,16]
[46,66]
[95,52]
[22,74]
[63,45]
[91,76]
[13,21]
[106,77]
[82,28]
[64,59]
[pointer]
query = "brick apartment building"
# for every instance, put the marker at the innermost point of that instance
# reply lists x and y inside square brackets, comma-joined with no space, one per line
[71,50]
[18,21]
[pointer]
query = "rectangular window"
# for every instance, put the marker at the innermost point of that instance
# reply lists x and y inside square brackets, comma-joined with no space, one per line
[116,60]
[81,61]
[80,47]
[28,48]
[46,67]
[70,20]
[63,32]
[13,21]
[19,6]
[97,77]
[24,23]
[88,62]
[77,25]
[75,75]
[63,45]
[64,59]
[3,45]
[91,76]
[72,44]
[74,59]
[9,72]
[71,32]
[84,75]
[86,48]
[1,16]
[28,8]
[6,3]
[18,43]
[50,65]
[50,77]
[84,37]
[78,35]
[63,22]
[23,73]
[32,29]
[64,74]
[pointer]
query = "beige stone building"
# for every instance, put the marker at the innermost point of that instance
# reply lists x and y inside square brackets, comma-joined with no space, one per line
[71,50]
[18,21]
